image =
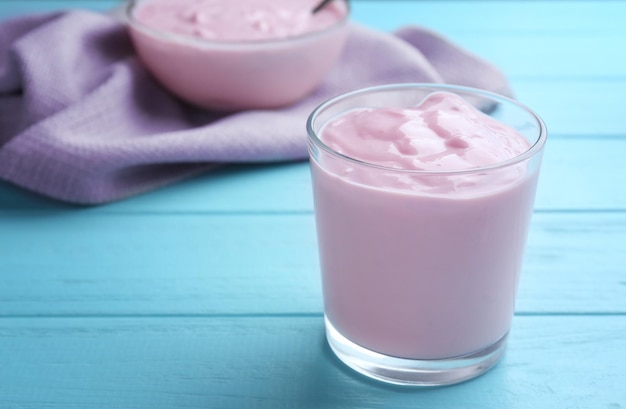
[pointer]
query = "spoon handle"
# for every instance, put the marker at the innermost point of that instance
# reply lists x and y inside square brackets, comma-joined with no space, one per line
[321,5]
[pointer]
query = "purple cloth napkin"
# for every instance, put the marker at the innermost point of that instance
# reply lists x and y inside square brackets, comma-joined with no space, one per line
[82,121]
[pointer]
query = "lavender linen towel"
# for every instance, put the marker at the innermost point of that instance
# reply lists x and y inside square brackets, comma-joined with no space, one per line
[82,121]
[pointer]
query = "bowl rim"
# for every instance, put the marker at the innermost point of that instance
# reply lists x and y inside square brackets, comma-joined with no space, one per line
[237,44]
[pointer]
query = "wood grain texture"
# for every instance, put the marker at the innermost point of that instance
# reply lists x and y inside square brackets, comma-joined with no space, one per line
[577,173]
[283,362]
[77,263]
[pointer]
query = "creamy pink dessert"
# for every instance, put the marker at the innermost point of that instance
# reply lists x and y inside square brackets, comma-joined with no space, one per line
[240,20]
[228,54]
[422,262]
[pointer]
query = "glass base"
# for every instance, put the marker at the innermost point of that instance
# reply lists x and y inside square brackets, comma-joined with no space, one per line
[401,371]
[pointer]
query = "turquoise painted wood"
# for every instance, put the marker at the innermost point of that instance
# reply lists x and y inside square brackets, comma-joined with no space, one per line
[206,293]
[282,362]
[569,181]
[230,263]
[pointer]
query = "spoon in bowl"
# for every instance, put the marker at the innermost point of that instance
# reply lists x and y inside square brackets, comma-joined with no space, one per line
[320,6]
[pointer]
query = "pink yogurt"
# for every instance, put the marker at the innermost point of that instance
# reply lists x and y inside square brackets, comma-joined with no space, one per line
[241,54]
[421,265]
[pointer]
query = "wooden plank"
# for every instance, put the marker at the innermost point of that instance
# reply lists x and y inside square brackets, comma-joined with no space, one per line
[582,174]
[283,362]
[508,17]
[576,107]
[575,263]
[560,56]
[573,177]
[554,39]
[77,264]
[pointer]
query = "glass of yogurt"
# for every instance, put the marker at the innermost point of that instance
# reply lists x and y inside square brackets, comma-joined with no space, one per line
[423,197]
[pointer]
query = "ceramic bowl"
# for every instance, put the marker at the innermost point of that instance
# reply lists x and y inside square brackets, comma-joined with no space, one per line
[237,75]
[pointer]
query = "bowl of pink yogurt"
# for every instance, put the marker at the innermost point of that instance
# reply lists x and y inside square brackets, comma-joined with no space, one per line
[233,55]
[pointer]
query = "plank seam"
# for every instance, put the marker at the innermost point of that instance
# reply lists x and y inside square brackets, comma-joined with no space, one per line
[275,315]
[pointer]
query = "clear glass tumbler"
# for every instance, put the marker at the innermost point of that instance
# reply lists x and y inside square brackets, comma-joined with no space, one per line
[420,278]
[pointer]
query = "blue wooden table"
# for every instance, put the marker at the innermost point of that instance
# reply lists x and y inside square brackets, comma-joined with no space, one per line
[206,294]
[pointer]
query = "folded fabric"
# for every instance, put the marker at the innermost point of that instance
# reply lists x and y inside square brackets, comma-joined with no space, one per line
[82,121]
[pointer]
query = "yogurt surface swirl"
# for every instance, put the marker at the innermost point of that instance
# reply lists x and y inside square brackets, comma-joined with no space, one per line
[238,20]
[443,133]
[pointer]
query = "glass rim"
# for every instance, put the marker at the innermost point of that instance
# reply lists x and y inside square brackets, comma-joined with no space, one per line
[238,44]
[534,149]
